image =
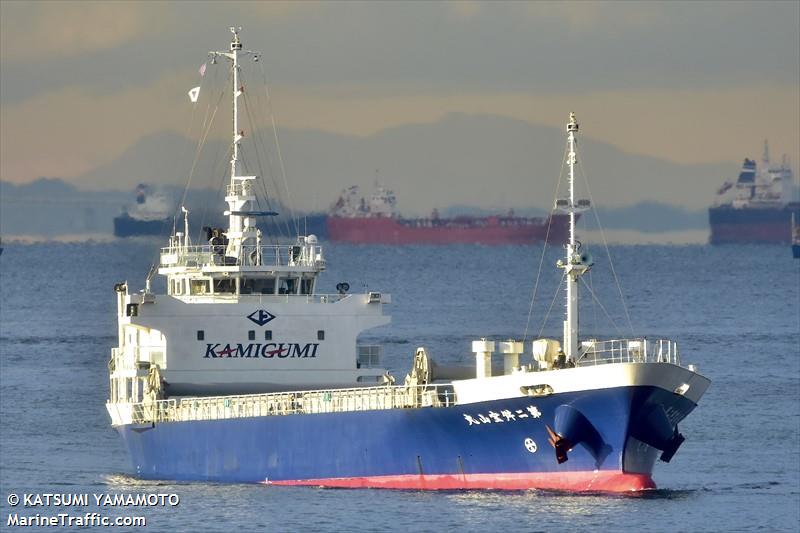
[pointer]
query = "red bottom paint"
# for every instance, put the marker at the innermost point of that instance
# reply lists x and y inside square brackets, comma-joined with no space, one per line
[602,481]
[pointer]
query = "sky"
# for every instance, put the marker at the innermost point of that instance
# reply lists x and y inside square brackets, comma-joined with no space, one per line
[690,83]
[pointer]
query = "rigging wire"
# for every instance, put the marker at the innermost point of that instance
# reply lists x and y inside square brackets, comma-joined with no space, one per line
[259,141]
[175,213]
[608,252]
[544,250]
[278,149]
[207,123]
[222,177]
[552,302]
[593,324]
[262,175]
[594,298]
[200,145]
[217,169]
[197,150]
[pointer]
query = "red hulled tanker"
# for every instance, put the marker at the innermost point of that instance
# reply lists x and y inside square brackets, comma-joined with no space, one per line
[355,220]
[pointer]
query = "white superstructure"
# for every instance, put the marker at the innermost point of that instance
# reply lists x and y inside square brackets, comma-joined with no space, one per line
[150,205]
[764,185]
[240,316]
[351,204]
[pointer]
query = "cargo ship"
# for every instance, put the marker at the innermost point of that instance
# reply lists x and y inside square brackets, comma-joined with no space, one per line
[150,215]
[242,372]
[355,219]
[760,210]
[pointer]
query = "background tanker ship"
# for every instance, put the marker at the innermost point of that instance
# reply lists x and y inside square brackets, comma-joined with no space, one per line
[761,208]
[355,219]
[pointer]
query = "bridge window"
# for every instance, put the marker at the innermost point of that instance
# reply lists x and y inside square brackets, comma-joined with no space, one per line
[257,286]
[199,286]
[268,335]
[224,286]
[288,286]
[176,286]
[251,335]
[306,286]
[201,334]
[320,334]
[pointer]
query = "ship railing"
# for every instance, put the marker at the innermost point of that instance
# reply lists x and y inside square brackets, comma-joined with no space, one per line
[292,403]
[241,188]
[639,350]
[275,298]
[123,359]
[147,412]
[207,255]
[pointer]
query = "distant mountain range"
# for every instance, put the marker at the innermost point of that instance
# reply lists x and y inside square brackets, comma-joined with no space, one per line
[480,162]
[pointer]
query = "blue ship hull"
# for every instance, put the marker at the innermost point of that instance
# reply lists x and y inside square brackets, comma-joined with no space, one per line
[125,226]
[752,224]
[611,437]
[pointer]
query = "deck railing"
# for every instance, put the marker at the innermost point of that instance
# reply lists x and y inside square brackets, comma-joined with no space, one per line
[629,351]
[289,403]
[250,255]
[273,298]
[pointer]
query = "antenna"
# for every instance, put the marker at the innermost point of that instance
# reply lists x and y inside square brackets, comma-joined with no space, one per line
[148,278]
[185,224]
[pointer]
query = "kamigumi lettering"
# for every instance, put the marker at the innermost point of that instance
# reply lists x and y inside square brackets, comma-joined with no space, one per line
[270,350]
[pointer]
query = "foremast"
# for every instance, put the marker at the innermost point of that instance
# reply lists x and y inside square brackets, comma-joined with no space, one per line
[576,263]
[242,230]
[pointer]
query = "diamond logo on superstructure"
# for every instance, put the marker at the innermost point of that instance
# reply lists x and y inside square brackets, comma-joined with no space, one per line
[260,317]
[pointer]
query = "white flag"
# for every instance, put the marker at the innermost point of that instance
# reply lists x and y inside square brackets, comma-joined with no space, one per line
[202,70]
[194,94]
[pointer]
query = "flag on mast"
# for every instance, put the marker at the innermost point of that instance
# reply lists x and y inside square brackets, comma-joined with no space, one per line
[202,70]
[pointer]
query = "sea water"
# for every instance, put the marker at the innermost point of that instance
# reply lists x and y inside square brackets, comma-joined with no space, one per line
[735,311]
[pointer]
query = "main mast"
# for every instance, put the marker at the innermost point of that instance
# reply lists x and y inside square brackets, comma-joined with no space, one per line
[576,263]
[242,230]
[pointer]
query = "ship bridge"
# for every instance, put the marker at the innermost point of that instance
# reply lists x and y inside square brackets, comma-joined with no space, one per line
[208,270]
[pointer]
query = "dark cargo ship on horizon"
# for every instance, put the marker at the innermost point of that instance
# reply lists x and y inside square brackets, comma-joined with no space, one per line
[761,210]
[150,215]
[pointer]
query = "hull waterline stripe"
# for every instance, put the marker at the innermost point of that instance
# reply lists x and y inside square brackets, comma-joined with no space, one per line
[601,481]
